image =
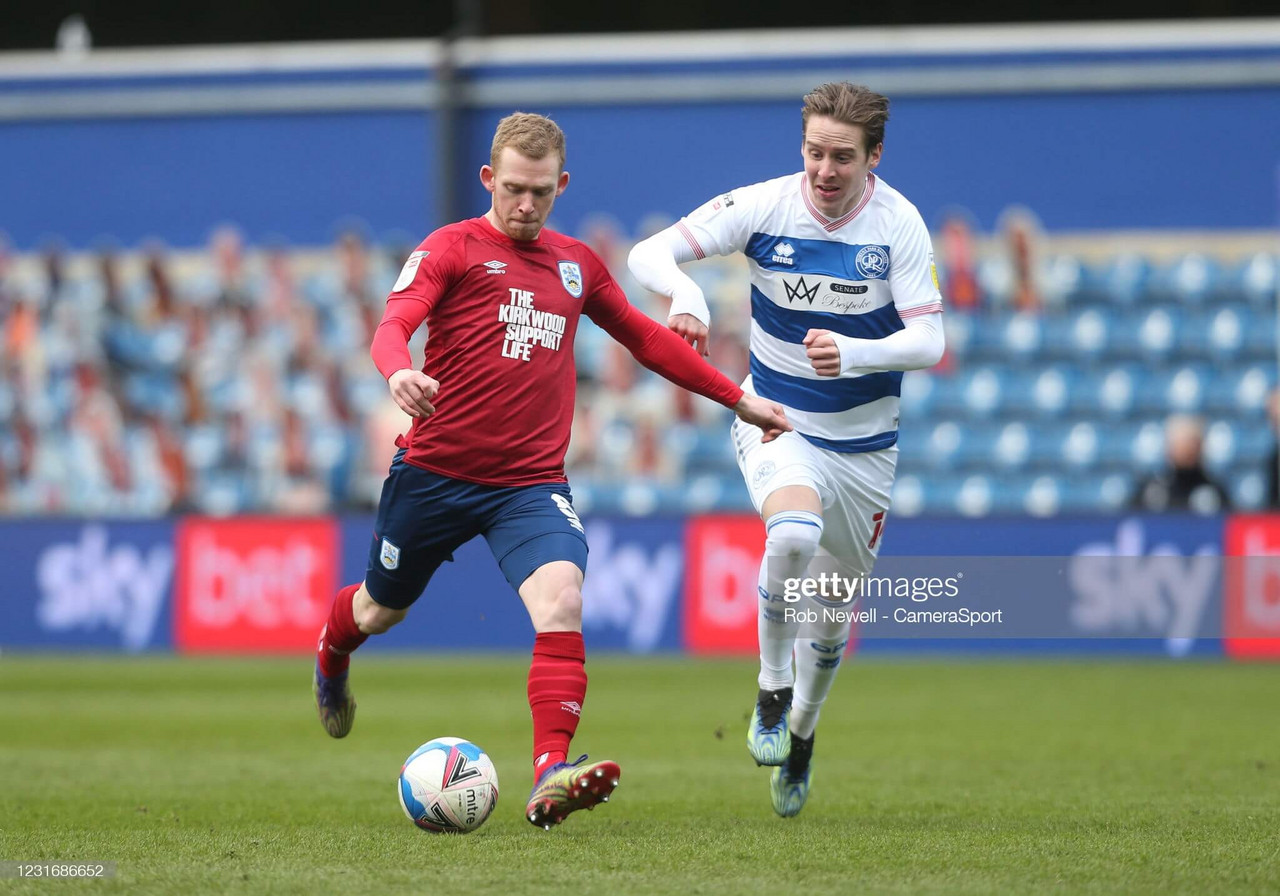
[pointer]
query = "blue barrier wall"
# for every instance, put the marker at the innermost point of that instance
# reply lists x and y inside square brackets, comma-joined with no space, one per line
[1178,134]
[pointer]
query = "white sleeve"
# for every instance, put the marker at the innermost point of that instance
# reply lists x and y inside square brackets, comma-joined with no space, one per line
[920,344]
[719,226]
[913,279]
[655,265]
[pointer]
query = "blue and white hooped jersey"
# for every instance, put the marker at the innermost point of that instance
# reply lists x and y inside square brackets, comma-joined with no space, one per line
[859,275]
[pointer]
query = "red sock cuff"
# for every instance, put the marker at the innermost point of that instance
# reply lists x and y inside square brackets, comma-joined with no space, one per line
[560,645]
[341,635]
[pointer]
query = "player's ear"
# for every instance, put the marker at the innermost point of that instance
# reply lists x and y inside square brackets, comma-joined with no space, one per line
[874,158]
[487,177]
[563,183]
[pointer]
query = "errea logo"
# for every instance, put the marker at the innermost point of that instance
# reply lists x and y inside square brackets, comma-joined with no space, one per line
[782,253]
[496,267]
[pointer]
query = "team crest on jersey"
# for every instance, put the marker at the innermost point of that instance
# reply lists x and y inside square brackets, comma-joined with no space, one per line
[390,555]
[872,262]
[571,277]
[409,270]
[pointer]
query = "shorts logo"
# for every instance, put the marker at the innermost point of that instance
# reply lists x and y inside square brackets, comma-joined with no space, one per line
[570,514]
[571,277]
[390,555]
[763,473]
[409,270]
[872,262]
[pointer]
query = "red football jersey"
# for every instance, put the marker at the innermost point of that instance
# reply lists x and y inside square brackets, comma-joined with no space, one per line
[501,316]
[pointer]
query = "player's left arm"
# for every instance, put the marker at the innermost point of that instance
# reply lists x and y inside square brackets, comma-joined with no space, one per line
[665,353]
[913,283]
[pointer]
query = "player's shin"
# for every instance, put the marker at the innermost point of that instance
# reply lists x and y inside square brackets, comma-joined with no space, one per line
[340,635]
[819,652]
[790,544]
[557,689]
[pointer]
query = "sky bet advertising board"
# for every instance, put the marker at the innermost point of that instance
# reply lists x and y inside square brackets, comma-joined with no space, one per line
[1139,584]
[1169,586]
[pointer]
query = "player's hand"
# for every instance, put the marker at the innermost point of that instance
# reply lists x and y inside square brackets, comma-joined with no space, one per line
[691,330]
[413,391]
[768,415]
[824,355]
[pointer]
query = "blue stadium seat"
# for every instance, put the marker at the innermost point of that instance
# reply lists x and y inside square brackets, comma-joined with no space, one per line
[1021,336]
[1044,392]
[1106,391]
[958,328]
[1080,446]
[1192,279]
[1247,488]
[1011,449]
[982,390]
[919,394]
[942,446]
[1241,389]
[1146,450]
[1126,279]
[1257,280]
[1063,280]
[1088,336]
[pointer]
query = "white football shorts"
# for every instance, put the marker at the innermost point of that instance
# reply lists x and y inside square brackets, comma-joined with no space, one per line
[854,489]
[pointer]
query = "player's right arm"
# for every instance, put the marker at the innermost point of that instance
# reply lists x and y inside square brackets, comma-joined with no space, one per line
[714,228]
[426,277]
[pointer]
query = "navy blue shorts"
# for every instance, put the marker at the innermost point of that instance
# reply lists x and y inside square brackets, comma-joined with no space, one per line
[423,517]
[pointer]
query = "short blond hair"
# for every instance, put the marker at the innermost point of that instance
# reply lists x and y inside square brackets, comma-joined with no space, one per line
[851,104]
[533,136]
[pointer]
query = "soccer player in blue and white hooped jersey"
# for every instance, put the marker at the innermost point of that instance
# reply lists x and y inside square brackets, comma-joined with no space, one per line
[844,297]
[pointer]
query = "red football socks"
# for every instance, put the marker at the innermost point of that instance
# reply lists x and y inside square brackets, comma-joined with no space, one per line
[557,687]
[340,635]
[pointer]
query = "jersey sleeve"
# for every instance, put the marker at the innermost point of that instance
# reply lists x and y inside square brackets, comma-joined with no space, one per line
[428,274]
[432,269]
[913,278]
[720,226]
[652,344]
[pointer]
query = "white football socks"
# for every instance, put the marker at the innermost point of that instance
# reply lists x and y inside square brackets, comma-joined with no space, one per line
[791,540]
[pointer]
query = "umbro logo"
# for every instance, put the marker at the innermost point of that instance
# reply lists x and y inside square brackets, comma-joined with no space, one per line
[572,706]
[801,290]
[782,253]
[496,267]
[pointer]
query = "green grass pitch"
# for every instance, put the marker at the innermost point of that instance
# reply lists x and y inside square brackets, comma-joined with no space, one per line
[214,776]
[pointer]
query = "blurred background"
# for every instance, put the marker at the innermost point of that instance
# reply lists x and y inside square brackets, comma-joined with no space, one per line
[200,221]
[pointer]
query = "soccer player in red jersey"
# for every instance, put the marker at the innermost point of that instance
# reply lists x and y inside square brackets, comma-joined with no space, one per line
[502,297]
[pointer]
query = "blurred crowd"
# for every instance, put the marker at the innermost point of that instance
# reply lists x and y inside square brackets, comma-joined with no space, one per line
[237,378]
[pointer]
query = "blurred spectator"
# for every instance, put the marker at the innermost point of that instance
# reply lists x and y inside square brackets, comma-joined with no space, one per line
[959,263]
[1185,485]
[1022,242]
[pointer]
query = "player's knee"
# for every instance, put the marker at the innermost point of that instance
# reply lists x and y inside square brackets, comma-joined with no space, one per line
[371,617]
[560,609]
[793,538]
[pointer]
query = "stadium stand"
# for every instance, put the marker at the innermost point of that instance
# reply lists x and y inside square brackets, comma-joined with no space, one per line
[236,379]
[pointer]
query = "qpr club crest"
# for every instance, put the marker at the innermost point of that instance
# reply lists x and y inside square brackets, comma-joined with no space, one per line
[571,277]
[872,262]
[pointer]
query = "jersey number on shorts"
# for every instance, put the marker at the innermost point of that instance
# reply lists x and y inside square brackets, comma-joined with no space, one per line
[567,509]
[878,519]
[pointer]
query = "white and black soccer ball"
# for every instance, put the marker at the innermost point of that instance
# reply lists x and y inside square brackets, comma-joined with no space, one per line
[448,786]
